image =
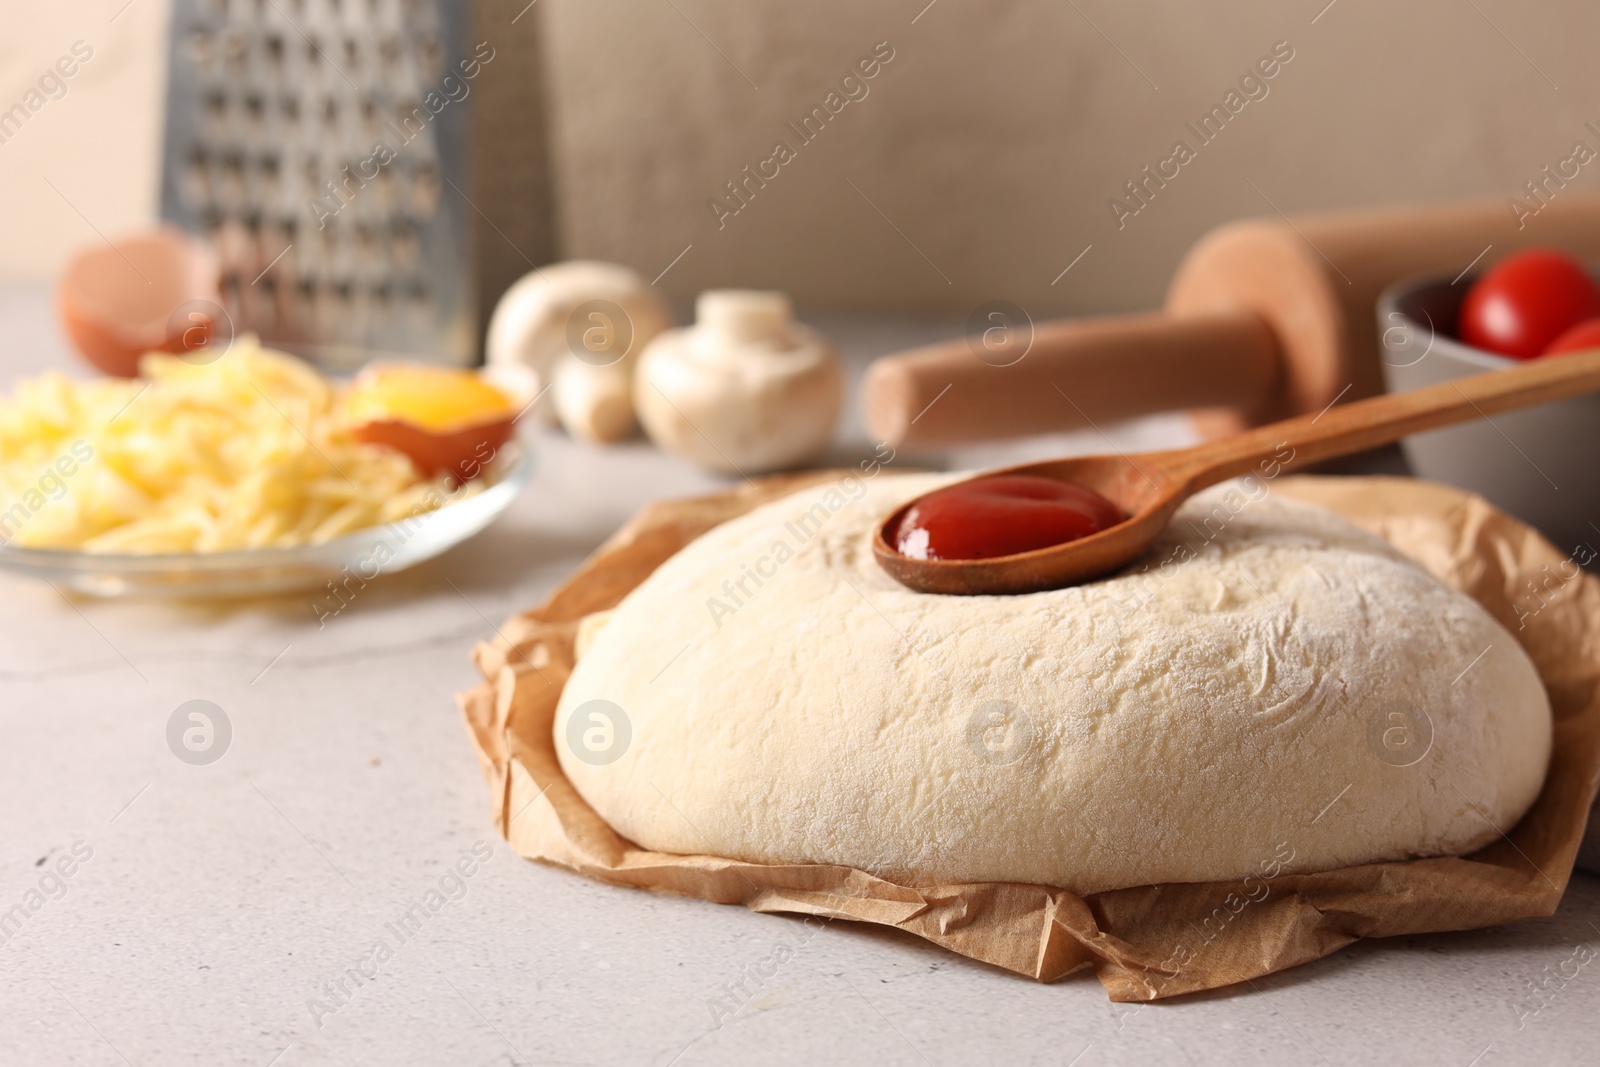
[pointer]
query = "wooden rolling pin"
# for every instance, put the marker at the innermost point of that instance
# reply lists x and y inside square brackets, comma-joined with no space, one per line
[1266,318]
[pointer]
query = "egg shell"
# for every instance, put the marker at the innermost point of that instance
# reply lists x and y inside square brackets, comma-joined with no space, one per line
[463,452]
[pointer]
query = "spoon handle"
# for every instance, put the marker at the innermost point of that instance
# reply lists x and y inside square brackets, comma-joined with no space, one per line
[1381,420]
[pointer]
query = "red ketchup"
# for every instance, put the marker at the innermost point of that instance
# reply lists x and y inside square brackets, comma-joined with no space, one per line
[1000,516]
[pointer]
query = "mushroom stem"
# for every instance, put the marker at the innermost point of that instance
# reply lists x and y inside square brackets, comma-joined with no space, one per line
[594,403]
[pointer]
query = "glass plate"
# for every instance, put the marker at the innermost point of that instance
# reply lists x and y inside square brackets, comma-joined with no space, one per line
[364,553]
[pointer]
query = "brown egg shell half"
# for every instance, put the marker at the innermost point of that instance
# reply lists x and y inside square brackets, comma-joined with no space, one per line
[464,452]
[116,301]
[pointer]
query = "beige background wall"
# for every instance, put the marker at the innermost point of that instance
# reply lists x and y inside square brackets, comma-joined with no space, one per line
[97,145]
[982,157]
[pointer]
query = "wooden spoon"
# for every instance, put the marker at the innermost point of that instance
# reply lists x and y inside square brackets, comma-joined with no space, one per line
[1148,487]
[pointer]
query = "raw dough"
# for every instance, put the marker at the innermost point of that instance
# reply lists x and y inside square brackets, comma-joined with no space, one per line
[1287,693]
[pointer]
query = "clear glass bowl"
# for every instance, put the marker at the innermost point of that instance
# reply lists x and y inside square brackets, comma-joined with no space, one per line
[247,572]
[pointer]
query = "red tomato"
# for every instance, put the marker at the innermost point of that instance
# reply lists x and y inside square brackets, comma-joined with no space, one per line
[1526,301]
[1584,335]
[999,516]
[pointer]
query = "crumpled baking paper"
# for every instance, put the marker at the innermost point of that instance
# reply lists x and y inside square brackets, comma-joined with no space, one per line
[1143,943]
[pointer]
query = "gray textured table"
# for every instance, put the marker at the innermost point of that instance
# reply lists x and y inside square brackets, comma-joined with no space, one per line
[209,909]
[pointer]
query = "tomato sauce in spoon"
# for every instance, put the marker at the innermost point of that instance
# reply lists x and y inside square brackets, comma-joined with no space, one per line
[1001,516]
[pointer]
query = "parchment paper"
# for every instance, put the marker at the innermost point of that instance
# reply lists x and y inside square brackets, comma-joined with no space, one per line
[1143,943]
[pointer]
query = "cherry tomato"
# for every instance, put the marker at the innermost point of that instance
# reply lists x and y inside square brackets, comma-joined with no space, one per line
[1526,301]
[1584,335]
[999,516]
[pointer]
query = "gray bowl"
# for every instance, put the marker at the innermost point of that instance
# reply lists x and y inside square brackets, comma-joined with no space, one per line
[1541,464]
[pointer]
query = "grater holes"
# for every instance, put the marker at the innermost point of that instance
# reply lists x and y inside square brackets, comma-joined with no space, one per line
[425,188]
[430,51]
[198,49]
[215,107]
[404,244]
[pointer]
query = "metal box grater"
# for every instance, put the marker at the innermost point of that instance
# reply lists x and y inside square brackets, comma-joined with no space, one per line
[326,149]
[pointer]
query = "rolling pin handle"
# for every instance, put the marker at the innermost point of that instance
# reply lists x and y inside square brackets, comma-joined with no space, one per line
[1070,375]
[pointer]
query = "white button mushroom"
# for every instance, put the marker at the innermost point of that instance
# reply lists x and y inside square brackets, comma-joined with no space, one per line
[597,315]
[745,389]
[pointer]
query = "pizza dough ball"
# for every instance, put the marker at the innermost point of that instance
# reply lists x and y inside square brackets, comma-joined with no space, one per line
[1279,688]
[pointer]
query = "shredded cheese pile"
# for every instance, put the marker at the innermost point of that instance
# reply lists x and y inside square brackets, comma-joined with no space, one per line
[244,452]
